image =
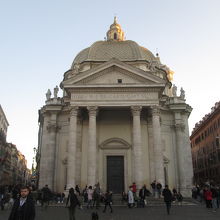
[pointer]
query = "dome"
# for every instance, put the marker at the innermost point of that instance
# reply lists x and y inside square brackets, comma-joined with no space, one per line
[114,47]
[123,50]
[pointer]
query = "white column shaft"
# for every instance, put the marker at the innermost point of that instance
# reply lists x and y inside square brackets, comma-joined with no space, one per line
[71,157]
[158,153]
[137,146]
[92,147]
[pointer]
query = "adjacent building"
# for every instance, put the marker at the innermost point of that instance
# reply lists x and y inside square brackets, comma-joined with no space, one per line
[3,125]
[205,145]
[120,120]
[13,165]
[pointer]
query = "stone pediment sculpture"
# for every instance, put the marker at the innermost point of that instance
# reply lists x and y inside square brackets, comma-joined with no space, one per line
[114,72]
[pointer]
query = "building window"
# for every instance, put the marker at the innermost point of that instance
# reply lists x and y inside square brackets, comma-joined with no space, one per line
[119,80]
[115,36]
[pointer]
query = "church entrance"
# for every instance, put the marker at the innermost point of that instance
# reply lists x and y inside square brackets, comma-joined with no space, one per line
[115,174]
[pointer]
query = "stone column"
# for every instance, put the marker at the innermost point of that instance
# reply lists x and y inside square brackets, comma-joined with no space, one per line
[158,151]
[92,146]
[71,156]
[151,150]
[180,156]
[51,151]
[188,156]
[185,170]
[137,146]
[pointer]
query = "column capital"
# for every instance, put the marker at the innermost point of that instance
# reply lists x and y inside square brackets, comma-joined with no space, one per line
[155,110]
[136,110]
[74,111]
[93,110]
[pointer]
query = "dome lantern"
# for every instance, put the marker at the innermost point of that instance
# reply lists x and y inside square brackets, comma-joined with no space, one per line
[115,33]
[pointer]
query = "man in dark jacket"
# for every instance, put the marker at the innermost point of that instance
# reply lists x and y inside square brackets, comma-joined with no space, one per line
[108,201]
[167,198]
[46,196]
[142,194]
[71,202]
[23,208]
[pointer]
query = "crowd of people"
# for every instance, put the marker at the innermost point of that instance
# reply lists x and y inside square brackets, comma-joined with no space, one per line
[209,194]
[91,197]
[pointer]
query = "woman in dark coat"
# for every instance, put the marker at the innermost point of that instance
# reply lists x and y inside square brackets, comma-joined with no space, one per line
[72,202]
[167,198]
[23,208]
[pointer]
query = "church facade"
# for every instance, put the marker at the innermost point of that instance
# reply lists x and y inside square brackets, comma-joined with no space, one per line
[119,121]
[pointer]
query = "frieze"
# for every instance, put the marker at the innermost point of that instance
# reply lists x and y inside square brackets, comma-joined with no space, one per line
[116,89]
[114,96]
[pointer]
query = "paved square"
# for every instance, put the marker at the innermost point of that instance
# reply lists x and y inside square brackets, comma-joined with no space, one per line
[122,213]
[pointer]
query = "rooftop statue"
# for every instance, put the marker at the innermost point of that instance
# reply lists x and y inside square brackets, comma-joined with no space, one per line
[174,90]
[48,94]
[55,91]
[182,93]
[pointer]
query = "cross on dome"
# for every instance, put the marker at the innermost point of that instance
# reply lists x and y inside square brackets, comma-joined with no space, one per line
[115,33]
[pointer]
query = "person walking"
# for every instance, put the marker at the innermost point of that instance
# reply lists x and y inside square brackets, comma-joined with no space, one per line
[96,196]
[90,195]
[23,208]
[142,194]
[46,196]
[167,198]
[108,200]
[71,202]
[130,198]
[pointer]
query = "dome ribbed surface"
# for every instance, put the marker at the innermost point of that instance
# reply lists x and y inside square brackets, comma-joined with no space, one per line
[122,50]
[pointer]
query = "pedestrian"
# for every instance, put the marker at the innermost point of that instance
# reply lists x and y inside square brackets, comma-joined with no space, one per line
[142,194]
[71,202]
[167,198]
[208,197]
[23,208]
[90,195]
[77,189]
[134,190]
[97,196]
[108,200]
[46,196]
[159,188]
[153,186]
[214,198]
[85,194]
[130,198]
[179,198]
[2,197]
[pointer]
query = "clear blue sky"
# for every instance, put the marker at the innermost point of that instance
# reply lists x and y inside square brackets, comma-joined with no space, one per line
[39,40]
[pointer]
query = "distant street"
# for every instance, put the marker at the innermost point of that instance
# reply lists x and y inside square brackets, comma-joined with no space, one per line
[192,212]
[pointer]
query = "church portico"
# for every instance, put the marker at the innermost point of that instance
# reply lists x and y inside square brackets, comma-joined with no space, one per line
[117,122]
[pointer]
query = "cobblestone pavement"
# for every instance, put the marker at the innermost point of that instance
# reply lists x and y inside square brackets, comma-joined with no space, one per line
[193,212]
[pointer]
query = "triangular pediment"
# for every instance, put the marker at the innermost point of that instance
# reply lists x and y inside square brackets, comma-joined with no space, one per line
[114,72]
